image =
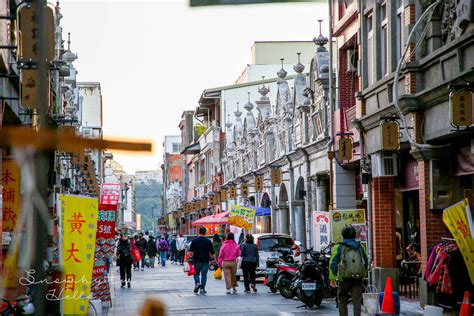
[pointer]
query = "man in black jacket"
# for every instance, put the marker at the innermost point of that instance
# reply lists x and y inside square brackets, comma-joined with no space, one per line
[151,250]
[142,247]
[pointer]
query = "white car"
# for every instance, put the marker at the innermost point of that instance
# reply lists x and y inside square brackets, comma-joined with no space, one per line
[264,244]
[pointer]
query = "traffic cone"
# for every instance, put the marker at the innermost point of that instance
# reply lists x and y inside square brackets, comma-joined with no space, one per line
[265,281]
[388,306]
[466,308]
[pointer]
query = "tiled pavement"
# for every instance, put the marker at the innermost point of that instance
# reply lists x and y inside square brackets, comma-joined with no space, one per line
[174,288]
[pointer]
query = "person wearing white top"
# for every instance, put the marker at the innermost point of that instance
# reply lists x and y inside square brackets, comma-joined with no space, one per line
[181,246]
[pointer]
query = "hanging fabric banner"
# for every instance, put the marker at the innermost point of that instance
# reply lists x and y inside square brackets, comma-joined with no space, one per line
[321,230]
[241,216]
[456,218]
[78,222]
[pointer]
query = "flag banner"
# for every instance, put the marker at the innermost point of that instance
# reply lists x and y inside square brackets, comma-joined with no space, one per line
[456,219]
[321,230]
[78,227]
[10,194]
[241,216]
[340,218]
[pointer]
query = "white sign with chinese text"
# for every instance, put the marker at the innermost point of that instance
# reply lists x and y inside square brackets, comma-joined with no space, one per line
[321,230]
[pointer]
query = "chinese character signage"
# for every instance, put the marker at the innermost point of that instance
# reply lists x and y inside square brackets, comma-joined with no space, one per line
[345,148]
[223,195]
[28,34]
[10,194]
[276,176]
[105,236]
[458,219]
[244,190]
[356,218]
[390,132]
[233,192]
[461,108]
[78,227]
[321,230]
[241,216]
[110,194]
[258,183]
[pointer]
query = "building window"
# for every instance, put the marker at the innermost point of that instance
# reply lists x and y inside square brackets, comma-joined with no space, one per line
[399,31]
[384,41]
[370,50]
[176,147]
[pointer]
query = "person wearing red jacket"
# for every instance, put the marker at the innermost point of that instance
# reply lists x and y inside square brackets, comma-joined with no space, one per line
[227,260]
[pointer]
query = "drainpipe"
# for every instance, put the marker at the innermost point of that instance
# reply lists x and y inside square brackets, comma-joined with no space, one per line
[363,166]
[290,198]
[309,243]
[331,109]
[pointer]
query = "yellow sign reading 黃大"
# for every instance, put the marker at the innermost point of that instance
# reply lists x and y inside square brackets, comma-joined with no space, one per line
[78,227]
[241,216]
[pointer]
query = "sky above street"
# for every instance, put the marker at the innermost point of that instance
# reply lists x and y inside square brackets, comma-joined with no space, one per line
[154,58]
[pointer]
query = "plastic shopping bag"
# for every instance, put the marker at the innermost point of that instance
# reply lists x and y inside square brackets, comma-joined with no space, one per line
[218,274]
[186,267]
[136,255]
[192,270]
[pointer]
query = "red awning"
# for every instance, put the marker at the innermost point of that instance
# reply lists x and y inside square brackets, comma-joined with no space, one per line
[218,219]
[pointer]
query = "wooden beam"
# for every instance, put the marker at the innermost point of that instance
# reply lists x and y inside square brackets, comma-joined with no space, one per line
[51,140]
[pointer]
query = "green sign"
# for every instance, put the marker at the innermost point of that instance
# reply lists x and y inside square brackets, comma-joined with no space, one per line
[198,3]
[339,218]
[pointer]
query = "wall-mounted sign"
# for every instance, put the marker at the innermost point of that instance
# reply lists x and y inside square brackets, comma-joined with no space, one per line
[345,148]
[258,183]
[276,176]
[390,132]
[233,192]
[28,32]
[244,190]
[29,88]
[223,195]
[461,108]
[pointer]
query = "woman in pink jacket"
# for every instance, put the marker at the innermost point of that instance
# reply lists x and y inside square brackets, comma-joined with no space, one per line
[228,262]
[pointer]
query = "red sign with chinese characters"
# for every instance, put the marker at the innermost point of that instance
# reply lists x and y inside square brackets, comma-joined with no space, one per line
[110,194]
[105,237]
[10,194]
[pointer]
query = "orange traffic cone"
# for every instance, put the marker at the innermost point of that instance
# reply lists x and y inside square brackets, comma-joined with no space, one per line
[466,308]
[388,306]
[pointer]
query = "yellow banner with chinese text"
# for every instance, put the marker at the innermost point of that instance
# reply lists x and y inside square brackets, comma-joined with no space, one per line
[10,194]
[456,219]
[356,218]
[241,216]
[78,226]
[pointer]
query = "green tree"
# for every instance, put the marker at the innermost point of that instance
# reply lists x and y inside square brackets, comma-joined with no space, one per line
[148,202]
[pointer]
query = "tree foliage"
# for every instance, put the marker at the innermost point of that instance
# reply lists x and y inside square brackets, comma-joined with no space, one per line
[148,196]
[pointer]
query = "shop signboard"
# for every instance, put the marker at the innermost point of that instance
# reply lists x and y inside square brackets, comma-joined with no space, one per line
[10,194]
[461,108]
[110,193]
[390,135]
[340,218]
[321,230]
[345,149]
[241,216]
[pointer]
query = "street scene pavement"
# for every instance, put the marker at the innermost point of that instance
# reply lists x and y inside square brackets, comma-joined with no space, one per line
[175,289]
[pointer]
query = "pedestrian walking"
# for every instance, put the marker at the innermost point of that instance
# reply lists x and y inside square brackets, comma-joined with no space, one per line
[250,261]
[142,246]
[181,248]
[136,264]
[201,251]
[163,248]
[348,265]
[173,250]
[124,259]
[216,243]
[151,250]
[230,250]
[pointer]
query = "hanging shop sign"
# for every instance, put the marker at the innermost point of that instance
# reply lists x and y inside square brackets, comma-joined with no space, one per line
[29,88]
[241,216]
[461,108]
[223,195]
[110,193]
[321,230]
[233,192]
[276,176]
[10,194]
[78,227]
[244,190]
[390,133]
[339,218]
[258,183]
[345,149]
[28,32]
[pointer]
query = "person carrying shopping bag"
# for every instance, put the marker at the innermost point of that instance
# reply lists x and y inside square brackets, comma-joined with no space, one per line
[227,260]
[201,252]
[124,259]
[151,250]
[250,260]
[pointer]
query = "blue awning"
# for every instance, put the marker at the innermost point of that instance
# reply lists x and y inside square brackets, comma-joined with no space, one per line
[261,211]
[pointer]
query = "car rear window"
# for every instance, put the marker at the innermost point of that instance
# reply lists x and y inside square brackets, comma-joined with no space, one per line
[266,243]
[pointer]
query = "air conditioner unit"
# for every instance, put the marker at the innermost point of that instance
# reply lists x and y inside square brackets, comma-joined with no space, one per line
[384,164]
[352,60]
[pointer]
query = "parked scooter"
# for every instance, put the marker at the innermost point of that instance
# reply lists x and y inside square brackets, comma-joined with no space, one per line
[280,260]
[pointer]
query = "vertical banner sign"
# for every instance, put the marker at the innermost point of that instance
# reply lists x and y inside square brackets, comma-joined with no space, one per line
[390,132]
[233,192]
[223,195]
[321,230]
[456,219]
[10,194]
[244,190]
[461,108]
[241,216]
[110,194]
[345,148]
[78,222]
[356,218]
[276,176]
[258,183]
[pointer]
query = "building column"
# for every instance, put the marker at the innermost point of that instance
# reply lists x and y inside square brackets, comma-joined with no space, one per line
[321,194]
[283,219]
[299,224]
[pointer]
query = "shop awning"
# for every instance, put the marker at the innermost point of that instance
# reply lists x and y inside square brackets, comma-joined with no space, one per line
[194,148]
[261,211]
[218,219]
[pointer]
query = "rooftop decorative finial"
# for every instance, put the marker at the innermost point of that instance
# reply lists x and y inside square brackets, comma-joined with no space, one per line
[68,40]
[263,90]
[248,106]
[299,67]
[282,72]
[320,40]
[238,113]
[228,124]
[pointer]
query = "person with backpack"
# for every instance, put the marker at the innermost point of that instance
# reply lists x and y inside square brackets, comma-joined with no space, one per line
[348,265]
[162,246]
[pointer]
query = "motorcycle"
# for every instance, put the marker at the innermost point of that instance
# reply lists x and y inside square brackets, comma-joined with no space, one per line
[280,259]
